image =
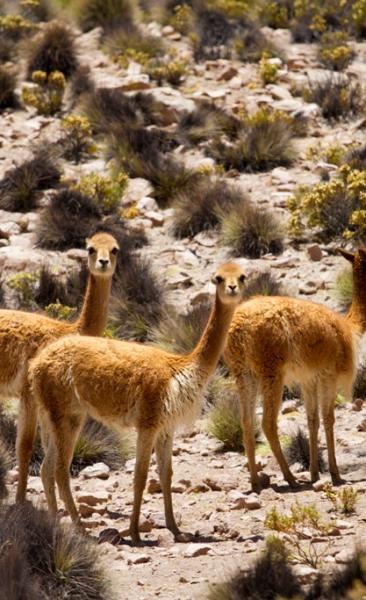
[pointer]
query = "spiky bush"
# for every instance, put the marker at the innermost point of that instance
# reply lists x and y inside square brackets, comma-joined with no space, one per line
[252,231]
[21,186]
[13,28]
[359,386]
[8,83]
[37,10]
[333,208]
[337,96]
[81,82]
[53,49]
[50,288]
[109,14]
[131,44]
[224,422]
[298,451]
[47,94]
[42,559]
[334,51]
[264,141]
[343,288]
[200,208]
[168,71]
[180,333]
[264,284]
[77,141]
[206,122]
[67,220]
[137,300]
[355,157]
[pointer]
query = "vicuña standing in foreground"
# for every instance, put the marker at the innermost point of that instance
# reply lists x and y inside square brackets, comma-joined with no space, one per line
[22,334]
[280,340]
[127,384]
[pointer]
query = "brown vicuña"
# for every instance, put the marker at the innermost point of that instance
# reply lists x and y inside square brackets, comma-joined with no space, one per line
[278,340]
[22,334]
[127,384]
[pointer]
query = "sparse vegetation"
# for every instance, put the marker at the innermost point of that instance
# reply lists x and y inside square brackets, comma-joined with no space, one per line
[53,49]
[8,83]
[4,465]
[47,94]
[268,71]
[334,51]
[337,96]
[131,44]
[298,451]
[207,122]
[24,284]
[224,422]
[168,71]
[202,206]
[359,387]
[252,231]
[264,284]
[77,142]
[21,186]
[343,500]
[343,288]
[180,333]
[106,192]
[109,14]
[264,142]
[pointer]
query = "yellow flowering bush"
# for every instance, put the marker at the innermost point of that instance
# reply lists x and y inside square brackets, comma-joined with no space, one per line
[334,52]
[78,140]
[106,192]
[47,95]
[268,71]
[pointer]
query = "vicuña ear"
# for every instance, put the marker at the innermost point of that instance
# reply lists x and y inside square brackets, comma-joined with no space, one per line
[347,255]
[87,241]
[217,279]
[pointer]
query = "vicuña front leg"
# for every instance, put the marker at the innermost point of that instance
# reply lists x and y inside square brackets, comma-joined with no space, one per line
[327,396]
[144,447]
[247,387]
[312,413]
[27,428]
[272,389]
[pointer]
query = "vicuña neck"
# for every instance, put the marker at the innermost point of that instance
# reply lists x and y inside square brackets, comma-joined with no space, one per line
[357,312]
[212,342]
[94,313]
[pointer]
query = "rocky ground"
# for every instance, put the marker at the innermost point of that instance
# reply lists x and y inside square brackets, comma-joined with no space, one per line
[211,489]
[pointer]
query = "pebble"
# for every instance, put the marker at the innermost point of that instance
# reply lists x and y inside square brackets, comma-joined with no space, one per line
[110,535]
[93,498]
[305,574]
[315,252]
[194,550]
[153,486]
[357,404]
[99,470]
[252,502]
[137,559]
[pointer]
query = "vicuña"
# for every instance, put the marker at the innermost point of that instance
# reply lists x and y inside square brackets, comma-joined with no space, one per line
[127,384]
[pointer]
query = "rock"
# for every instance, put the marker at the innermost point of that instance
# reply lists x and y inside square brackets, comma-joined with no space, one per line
[93,498]
[362,426]
[136,82]
[315,252]
[357,404]
[110,535]
[308,287]
[289,407]
[137,189]
[12,476]
[212,484]
[228,74]
[238,499]
[146,204]
[344,556]
[318,486]
[252,502]
[188,258]
[99,470]
[205,239]
[85,510]
[137,559]
[167,30]
[173,100]
[156,218]
[278,92]
[305,574]
[194,550]
[198,489]
[153,486]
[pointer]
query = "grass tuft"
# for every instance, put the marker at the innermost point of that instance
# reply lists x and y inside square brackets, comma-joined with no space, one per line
[21,186]
[109,14]
[298,451]
[180,333]
[224,422]
[8,84]
[53,49]
[337,96]
[252,231]
[264,284]
[205,122]
[343,288]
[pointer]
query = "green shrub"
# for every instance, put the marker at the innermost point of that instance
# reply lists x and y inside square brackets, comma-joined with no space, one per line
[169,71]
[224,422]
[268,71]
[47,94]
[200,208]
[343,288]
[109,14]
[131,44]
[337,96]
[332,208]
[106,192]
[24,284]
[252,231]
[8,83]
[183,18]
[334,52]
[21,185]
[53,49]
[77,141]
[265,141]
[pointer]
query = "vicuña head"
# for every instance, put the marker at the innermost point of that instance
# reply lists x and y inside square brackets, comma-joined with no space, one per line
[22,334]
[279,340]
[127,384]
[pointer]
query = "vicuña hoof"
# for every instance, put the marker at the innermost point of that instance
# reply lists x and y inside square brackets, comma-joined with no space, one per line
[183,537]
[294,485]
[337,480]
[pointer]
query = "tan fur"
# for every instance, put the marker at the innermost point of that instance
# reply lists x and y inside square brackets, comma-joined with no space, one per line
[22,334]
[127,384]
[278,340]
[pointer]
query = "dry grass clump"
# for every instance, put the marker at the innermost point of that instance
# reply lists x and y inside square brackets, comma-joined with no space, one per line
[109,14]
[137,300]
[8,82]
[343,288]
[206,122]
[42,559]
[224,422]
[50,288]
[359,386]
[298,451]
[337,96]
[264,284]
[264,142]
[21,185]
[252,231]
[13,29]
[356,158]
[334,51]
[53,49]
[180,333]
[81,83]
[130,43]
[201,207]
[37,10]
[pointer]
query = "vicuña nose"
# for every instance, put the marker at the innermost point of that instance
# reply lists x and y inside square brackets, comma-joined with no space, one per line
[233,287]
[103,262]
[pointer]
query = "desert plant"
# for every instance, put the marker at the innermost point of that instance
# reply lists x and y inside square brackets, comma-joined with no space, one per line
[169,71]
[224,419]
[359,386]
[355,157]
[53,49]
[81,82]
[106,192]
[264,284]
[206,122]
[54,561]
[131,44]
[264,141]
[298,451]
[348,582]
[13,28]
[67,220]
[109,14]
[183,18]
[47,94]
[251,231]
[200,208]
[337,96]
[334,51]
[59,311]
[24,284]
[333,208]
[343,288]
[77,141]
[180,332]
[21,185]
[268,71]
[251,43]
[50,288]
[137,300]
[37,10]
[343,500]
[8,83]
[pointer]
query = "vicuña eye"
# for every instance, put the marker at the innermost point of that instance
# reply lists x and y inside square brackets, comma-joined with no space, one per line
[114,251]
[219,279]
[91,250]
[242,278]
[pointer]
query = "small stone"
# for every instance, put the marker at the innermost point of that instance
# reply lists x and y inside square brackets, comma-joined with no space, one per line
[213,485]
[252,502]
[156,218]
[92,499]
[357,404]
[138,559]
[99,470]
[153,487]
[289,407]
[167,30]
[315,252]
[194,550]
[110,535]
[85,510]
[305,574]
[228,74]
[198,489]
[12,476]
[344,556]
[238,499]
[362,426]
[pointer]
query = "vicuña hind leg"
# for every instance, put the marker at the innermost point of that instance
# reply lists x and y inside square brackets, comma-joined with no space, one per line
[312,412]
[27,428]
[247,386]
[145,444]
[327,396]
[272,389]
